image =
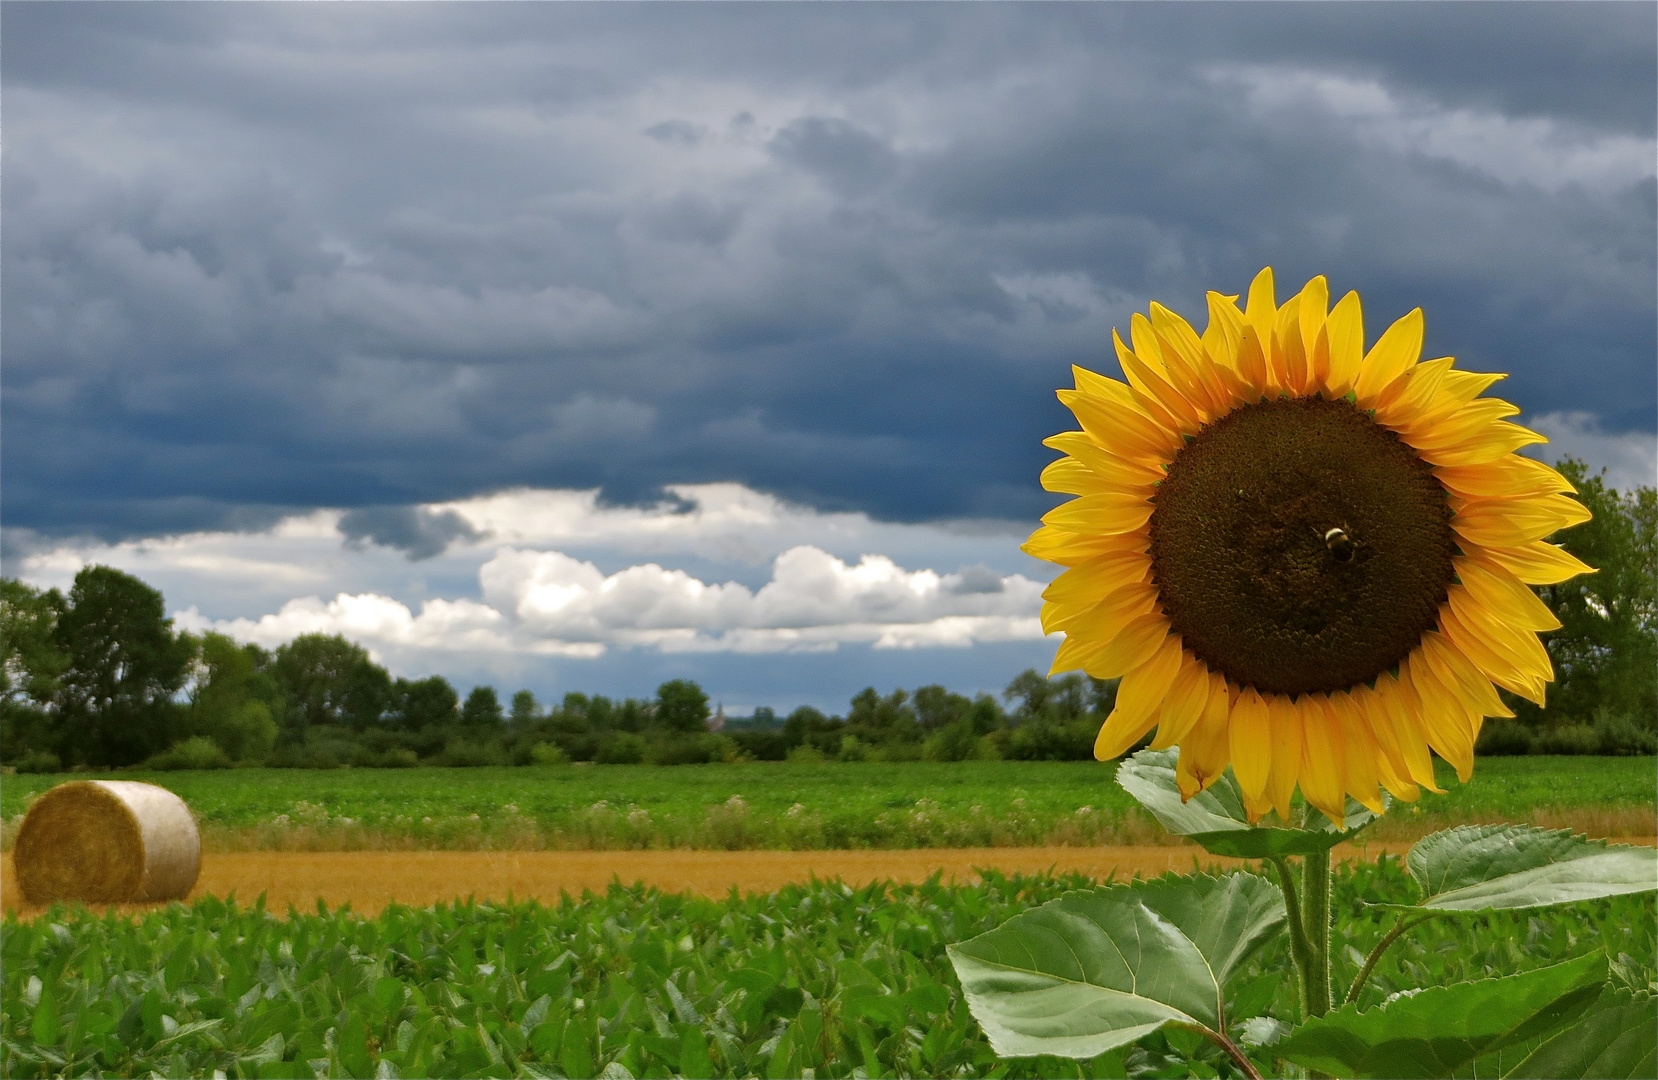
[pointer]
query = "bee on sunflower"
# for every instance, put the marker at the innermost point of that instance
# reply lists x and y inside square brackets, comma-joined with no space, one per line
[1303,558]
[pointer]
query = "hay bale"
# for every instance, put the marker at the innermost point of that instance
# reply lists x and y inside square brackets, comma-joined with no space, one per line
[107,841]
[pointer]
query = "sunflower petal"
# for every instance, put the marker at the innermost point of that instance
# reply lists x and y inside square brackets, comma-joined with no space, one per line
[1364,758]
[1288,751]
[1137,699]
[1324,773]
[1250,743]
[1493,523]
[1091,580]
[1538,563]
[1507,477]
[1459,674]
[1346,329]
[1444,721]
[1123,425]
[1487,444]
[1403,710]
[1187,697]
[1104,618]
[1107,512]
[1069,548]
[1493,663]
[1125,472]
[1503,594]
[1129,648]
[1203,756]
[1394,353]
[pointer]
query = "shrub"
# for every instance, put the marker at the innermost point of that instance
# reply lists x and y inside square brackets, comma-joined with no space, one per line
[1047,741]
[1618,733]
[762,745]
[196,752]
[954,742]
[622,748]
[853,749]
[806,754]
[39,761]
[1571,739]
[544,753]
[399,758]
[463,753]
[1500,738]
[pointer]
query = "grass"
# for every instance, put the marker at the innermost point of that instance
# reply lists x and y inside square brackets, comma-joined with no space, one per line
[820,976]
[798,807]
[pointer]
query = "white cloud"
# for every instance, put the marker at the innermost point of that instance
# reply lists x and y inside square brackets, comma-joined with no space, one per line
[1541,152]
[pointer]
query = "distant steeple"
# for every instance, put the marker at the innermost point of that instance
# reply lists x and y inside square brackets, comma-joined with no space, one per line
[717,722]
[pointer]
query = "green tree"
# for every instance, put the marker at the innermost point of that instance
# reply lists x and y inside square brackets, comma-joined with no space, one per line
[525,709]
[482,709]
[429,702]
[681,705]
[31,663]
[115,697]
[936,707]
[332,681]
[1606,651]
[233,698]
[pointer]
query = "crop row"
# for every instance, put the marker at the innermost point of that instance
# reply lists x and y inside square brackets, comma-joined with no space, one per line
[816,980]
[798,807]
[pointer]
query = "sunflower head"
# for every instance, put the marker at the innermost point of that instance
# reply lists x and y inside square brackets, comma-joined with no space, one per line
[1304,558]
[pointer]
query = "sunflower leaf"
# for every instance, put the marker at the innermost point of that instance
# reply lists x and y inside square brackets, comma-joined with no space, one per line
[1215,817]
[1484,867]
[1090,971]
[1434,1032]
[1226,916]
[1619,1041]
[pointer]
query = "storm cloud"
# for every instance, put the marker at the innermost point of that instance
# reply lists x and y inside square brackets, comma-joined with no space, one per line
[266,258]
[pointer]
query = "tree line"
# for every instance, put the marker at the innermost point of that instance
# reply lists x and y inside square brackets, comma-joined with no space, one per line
[99,677]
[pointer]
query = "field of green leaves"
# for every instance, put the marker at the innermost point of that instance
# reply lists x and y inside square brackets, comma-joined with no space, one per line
[799,806]
[817,980]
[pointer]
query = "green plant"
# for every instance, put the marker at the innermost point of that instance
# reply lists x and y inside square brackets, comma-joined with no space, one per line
[196,752]
[543,753]
[1099,969]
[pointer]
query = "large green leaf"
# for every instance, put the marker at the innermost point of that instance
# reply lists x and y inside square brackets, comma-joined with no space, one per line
[1226,917]
[1435,1031]
[1618,1042]
[1082,974]
[1481,867]
[1215,817]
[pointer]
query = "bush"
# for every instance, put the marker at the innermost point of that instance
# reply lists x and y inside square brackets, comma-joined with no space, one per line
[196,752]
[690,750]
[1047,741]
[463,753]
[1617,733]
[399,758]
[762,745]
[1571,739]
[807,754]
[622,748]
[954,742]
[853,749]
[545,753]
[39,761]
[1502,738]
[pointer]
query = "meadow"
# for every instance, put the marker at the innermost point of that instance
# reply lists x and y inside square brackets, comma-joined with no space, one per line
[756,805]
[818,979]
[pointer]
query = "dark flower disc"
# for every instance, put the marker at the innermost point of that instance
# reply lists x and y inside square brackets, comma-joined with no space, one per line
[1299,546]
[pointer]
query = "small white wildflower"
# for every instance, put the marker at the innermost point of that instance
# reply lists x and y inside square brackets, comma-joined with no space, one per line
[425,821]
[795,811]
[1084,811]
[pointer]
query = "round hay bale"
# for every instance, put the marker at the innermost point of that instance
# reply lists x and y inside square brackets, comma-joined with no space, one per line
[107,841]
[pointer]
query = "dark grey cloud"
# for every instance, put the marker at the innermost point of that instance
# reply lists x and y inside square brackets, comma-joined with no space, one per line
[272,257]
[414,530]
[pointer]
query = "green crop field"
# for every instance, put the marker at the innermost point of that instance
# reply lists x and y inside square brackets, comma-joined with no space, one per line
[755,805]
[819,977]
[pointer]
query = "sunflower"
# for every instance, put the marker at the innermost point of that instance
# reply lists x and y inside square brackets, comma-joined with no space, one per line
[1303,559]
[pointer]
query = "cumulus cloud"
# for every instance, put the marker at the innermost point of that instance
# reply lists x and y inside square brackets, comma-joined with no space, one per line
[1630,458]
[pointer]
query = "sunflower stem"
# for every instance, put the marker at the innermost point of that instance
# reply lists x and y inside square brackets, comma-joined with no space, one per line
[1376,954]
[1315,914]
[1300,950]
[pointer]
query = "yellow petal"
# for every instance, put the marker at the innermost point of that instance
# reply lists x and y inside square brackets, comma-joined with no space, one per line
[1395,353]
[1503,594]
[1346,330]
[1254,373]
[1421,384]
[1250,743]
[1538,563]
[1314,309]
[1124,472]
[1123,426]
[1493,663]
[1457,389]
[1069,548]
[1487,444]
[1184,704]
[1324,771]
[1459,673]
[1130,647]
[1073,655]
[1509,523]
[1507,477]
[1360,708]
[1068,476]
[1145,371]
[1137,699]
[1294,371]
[1444,721]
[1204,754]
[1288,749]
[1363,757]
[1104,618]
[1107,512]
[1261,310]
[1088,582]
[1401,707]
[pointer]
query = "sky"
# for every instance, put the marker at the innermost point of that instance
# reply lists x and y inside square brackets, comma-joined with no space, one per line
[581,347]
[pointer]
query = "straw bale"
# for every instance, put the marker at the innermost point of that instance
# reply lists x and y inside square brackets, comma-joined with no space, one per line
[107,841]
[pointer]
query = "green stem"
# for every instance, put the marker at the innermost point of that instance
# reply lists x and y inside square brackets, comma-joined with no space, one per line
[1300,950]
[1376,954]
[1315,893]
[1233,1051]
